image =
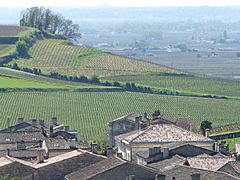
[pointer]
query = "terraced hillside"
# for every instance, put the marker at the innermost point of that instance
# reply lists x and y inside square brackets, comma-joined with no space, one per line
[56,56]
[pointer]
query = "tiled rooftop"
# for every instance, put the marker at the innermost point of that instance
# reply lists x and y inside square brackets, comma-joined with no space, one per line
[209,163]
[163,133]
[168,163]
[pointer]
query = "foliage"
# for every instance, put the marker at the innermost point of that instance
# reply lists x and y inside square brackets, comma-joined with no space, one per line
[46,20]
[21,47]
[205,125]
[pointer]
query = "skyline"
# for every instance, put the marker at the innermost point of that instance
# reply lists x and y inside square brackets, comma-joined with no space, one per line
[117,3]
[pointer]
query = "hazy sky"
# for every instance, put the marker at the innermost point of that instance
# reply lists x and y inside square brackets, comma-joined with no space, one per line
[128,3]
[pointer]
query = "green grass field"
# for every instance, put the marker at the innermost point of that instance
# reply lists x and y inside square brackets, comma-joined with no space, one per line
[89,112]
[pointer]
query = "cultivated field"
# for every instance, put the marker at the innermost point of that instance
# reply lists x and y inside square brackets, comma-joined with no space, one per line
[6,49]
[89,112]
[11,30]
[194,83]
[57,56]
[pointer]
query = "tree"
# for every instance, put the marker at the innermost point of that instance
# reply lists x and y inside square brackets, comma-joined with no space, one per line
[15,66]
[21,48]
[205,125]
[156,113]
[47,21]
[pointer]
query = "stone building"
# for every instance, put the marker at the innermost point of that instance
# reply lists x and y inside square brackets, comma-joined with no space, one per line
[134,122]
[23,139]
[158,135]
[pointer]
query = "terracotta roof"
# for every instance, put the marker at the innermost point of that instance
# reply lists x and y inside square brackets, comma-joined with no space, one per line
[168,164]
[96,168]
[209,163]
[163,133]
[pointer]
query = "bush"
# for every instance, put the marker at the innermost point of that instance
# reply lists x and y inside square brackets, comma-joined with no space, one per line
[21,48]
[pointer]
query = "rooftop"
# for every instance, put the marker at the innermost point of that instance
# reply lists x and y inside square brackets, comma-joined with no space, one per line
[168,163]
[208,163]
[96,168]
[163,133]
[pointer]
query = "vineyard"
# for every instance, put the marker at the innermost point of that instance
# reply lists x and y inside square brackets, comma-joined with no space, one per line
[194,83]
[57,56]
[89,112]
[6,50]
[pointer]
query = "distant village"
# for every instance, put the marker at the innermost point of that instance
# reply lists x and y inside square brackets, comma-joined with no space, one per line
[139,147]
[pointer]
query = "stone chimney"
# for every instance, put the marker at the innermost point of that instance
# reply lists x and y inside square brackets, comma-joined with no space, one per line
[145,115]
[41,122]
[137,123]
[216,147]
[34,122]
[131,177]
[54,120]
[190,127]
[20,120]
[51,130]
[207,132]
[40,155]
[160,177]
[8,152]
[94,148]
[196,177]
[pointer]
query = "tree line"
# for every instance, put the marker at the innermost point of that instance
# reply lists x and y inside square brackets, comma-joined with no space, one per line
[46,20]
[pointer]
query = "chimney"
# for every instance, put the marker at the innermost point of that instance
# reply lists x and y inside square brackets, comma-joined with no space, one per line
[160,177]
[41,122]
[8,121]
[110,152]
[94,148]
[145,115]
[20,120]
[207,132]
[196,177]
[34,122]
[190,127]
[51,130]
[8,152]
[216,147]
[137,123]
[148,122]
[131,177]
[40,155]
[54,120]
